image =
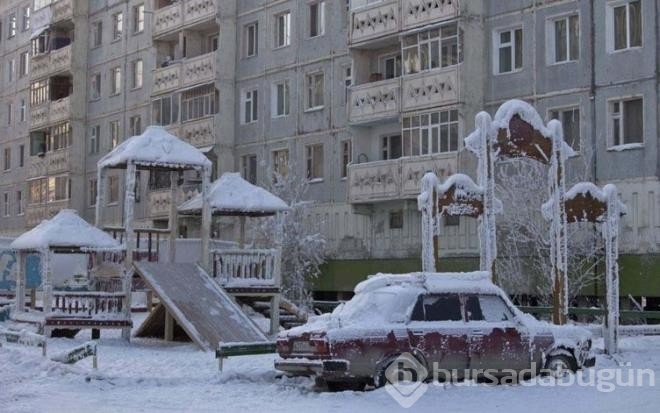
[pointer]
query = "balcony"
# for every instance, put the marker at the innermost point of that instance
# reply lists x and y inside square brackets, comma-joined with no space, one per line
[395,179]
[189,72]
[160,200]
[34,214]
[53,162]
[54,62]
[62,10]
[374,101]
[199,133]
[420,12]
[181,14]
[428,89]
[377,20]
[49,113]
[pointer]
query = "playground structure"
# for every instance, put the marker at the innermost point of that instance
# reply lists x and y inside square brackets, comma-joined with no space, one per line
[517,131]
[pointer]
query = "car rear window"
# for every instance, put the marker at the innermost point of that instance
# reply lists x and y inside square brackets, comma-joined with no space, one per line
[489,308]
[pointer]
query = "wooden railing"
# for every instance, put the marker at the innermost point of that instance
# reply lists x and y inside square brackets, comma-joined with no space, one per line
[87,304]
[147,243]
[247,267]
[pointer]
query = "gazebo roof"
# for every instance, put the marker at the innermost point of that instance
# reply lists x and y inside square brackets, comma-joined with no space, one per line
[155,148]
[66,231]
[233,195]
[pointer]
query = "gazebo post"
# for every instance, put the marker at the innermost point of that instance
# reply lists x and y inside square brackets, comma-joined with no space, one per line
[174,226]
[206,217]
[129,206]
[47,300]
[20,281]
[241,237]
[100,196]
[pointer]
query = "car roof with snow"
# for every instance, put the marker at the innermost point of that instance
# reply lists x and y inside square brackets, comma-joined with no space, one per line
[477,282]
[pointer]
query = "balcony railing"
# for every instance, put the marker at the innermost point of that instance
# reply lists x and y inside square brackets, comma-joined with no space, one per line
[62,10]
[186,73]
[244,268]
[49,63]
[376,100]
[50,112]
[180,14]
[199,133]
[161,199]
[419,12]
[375,21]
[390,17]
[34,214]
[52,162]
[395,179]
[427,89]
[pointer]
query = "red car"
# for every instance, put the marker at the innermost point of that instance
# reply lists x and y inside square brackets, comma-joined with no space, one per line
[457,322]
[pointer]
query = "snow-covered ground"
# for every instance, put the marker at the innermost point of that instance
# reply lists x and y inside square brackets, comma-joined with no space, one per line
[153,376]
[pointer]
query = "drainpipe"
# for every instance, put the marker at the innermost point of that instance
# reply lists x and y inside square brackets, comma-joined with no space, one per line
[592,90]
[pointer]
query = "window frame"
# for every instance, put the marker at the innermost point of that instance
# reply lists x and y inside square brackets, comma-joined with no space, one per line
[247,161]
[286,40]
[311,162]
[551,38]
[610,27]
[281,159]
[113,188]
[321,15]
[97,34]
[561,110]
[249,96]
[251,48]
[138,18]
[137,74]
[346,148]
[512,43]
[311,83]
[115,81]
[117,26]
[20,206]
[612,145]
[275,99]
[413,46]
[417,127]
[94,140]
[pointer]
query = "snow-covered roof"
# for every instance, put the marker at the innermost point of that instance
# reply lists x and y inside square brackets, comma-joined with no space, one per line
[476,282]
[66,230]
[155,148]
[233,195]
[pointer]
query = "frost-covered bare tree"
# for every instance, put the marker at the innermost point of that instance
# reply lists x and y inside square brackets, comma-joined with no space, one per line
[523,264]
[303,250]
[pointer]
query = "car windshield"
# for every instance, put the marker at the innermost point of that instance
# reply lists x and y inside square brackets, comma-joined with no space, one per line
[383,305]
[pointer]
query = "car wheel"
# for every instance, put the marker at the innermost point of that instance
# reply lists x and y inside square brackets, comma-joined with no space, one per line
[559,365]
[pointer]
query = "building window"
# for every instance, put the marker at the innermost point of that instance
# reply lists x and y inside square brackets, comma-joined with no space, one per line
[12,25]
[97,33]
[428,133]
[117,25]
[283,29]
[165,110]
[346,157]
[95,86]
[391,66]
[137,73]
[26,18]
[251,36]
[94,139]
[7,163]
[430,49]
[10,112]
[249,168]
[508,50]
[59,137]
[317,19]
[565,39]
[570,121]
[38,191]
[19,203]
[138,18]
[114,133]
[115,81]
[280,99]
[135,125]
[58,188]
[626,121]
[198,103]
[39,92]
[314,160]
[625,28]
[250,103]
[41,43]
[93,192]
[348,81]
[396,219]
[11,68]
[315,89]
[23,64]
[391,147]
[113,189]
[22,110]
[7,207]
[21,156]
[281,162]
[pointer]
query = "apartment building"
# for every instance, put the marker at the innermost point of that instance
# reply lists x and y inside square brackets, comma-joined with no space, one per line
[360,96]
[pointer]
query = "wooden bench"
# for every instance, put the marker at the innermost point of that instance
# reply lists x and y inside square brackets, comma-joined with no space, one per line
[225,350]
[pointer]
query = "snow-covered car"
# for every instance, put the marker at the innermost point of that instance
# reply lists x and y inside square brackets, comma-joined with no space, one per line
[459,322]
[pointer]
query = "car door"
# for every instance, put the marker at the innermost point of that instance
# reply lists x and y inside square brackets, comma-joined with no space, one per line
[437,330]
[497,341]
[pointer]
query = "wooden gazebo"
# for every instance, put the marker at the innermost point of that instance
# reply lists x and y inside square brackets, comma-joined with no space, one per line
[67,233]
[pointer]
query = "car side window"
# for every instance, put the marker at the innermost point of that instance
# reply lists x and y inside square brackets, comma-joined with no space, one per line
[494,309]
[473,308]
[443,307]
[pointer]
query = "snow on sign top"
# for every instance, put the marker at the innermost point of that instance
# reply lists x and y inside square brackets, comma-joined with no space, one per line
[609,192]
[68,230]
[155,147]
[233,195]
